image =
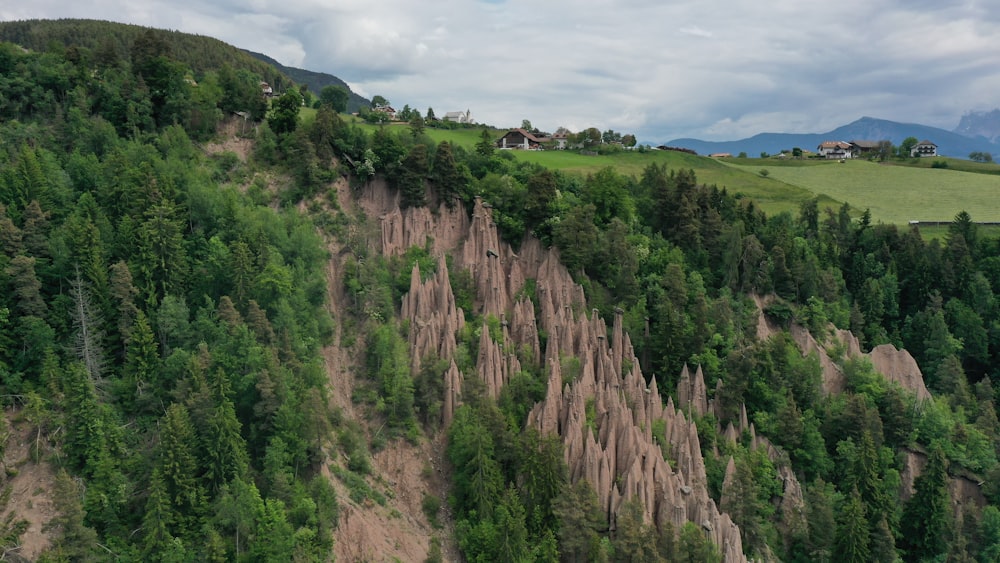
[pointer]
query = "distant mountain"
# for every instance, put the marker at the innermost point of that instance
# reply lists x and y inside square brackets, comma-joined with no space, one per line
[867,128]
[984,124]
[314,80]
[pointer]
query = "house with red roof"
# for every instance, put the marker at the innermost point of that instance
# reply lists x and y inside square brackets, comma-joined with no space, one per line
[834,149]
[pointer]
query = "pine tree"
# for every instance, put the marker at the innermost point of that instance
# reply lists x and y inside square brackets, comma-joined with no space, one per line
[413,176]
[223,447]
[485,146]
[123,294]
[635,540]
[511,540]
[157,519]
[27,288]
[580,518]
[446,175]
[926,517]
[142,362]
[852,532]
[178,469]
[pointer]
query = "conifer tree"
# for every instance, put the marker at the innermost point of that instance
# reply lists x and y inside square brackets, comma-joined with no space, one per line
[446,175]
[852,532]
[178,470]
[926,518]
[412,177]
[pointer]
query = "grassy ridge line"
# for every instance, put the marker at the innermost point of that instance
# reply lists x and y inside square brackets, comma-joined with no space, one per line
[897,194]
[894,194]
[770,195]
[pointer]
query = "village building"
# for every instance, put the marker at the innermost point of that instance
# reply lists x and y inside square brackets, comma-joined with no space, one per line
[834,150]
[387,110]
[862,149]
[464,117]
[521,139]
[924,148]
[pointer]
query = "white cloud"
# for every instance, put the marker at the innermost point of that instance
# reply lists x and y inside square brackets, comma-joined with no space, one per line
[659,70]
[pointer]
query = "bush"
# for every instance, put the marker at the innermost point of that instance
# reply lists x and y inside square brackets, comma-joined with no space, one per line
[431,505]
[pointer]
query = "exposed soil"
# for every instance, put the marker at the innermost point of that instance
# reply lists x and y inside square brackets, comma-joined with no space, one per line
[32,485]
[230,139]
[405,473]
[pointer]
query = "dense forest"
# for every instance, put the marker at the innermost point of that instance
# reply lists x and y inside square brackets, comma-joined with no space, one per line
[163,316]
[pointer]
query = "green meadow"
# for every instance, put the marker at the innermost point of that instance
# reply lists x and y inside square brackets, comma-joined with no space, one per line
[894,193]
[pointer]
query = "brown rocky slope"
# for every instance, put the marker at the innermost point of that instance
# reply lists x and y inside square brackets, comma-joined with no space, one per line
[614,451]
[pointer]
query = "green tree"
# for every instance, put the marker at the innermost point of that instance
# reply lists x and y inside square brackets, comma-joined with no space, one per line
[906,146]
[576,236]
[542,188]
[334,96]
[223,448]
[926,521]
[416,125]
[177,467]
[485,147]
[140,382]
[413,176]
[284,117]
[447,176]
[478,482]
[580,519]
[542,474]
[162,258]
[852,532]
[27,287]
[511,540]
[74,540]
[157,521]
[694,546]
[635,540]
[989,532]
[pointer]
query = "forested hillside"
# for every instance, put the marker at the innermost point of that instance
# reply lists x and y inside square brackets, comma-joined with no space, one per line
[167,350]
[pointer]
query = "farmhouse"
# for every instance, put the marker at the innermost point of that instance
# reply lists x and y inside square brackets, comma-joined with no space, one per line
[521,139]
[561,139]
[924,148]
[834,149]
[387,110]
[863,148]
[265,89]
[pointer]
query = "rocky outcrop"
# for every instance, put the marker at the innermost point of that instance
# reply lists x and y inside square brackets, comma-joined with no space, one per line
[614,449]
[899,367]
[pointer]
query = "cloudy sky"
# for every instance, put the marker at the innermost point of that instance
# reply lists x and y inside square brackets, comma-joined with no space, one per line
[712,69]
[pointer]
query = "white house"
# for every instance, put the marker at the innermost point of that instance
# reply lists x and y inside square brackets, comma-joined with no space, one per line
[834,149]
[924,148]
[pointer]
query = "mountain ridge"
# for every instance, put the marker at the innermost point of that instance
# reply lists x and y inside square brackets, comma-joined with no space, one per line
[949,143]
[315,80]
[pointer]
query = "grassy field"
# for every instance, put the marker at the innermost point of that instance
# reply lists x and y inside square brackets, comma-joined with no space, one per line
[895,194]
[773,196]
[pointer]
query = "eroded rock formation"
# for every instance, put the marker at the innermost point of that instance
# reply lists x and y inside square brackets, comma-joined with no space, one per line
[606,413]
[615,451]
